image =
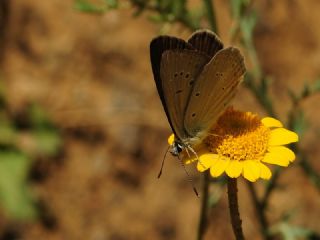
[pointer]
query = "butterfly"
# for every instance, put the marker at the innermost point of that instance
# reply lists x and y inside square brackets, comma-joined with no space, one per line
[196,80]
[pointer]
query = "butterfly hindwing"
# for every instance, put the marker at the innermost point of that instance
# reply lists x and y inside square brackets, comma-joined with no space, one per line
[212,92]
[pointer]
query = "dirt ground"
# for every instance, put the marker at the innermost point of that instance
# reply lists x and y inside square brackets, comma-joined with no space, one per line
[92,75]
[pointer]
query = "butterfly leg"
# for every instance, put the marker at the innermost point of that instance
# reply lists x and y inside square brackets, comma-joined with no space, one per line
[187,152]
[194,152]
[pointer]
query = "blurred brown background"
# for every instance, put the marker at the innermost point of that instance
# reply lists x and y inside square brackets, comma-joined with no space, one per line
[92,75]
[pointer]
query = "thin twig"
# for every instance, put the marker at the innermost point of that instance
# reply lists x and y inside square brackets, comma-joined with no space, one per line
[234,208]
[260,212]
[262,96]
[272,184]
[211,15]
[203,220]
[4,24]
[309,170]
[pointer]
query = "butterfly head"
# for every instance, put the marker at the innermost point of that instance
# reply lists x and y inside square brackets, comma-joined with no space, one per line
[176,148]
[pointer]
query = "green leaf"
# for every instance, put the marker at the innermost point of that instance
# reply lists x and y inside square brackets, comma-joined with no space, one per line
[215,197]
[247,25]
[178,7]
[299,123]
[264,85]
[111,4]
[156,18]
[7,131]
[290,232]
[316,86]
[86,6]
[48,142]
[38,117]
[15,195]
[306,91]
[293,96]
[236,6]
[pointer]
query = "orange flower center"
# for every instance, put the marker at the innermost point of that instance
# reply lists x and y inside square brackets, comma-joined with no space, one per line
[239,136]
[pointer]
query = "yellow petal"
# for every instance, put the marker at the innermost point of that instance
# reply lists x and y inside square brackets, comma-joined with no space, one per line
[284,152]
[251,170]
[206,161]
[219,166]
[279,155]
[271,122]
[265,172]
[234,168]
[171,139]
[282,136]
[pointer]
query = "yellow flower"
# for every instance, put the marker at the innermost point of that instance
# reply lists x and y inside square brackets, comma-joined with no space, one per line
[241,143]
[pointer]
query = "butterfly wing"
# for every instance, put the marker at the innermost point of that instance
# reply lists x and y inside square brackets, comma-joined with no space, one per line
[157,47]
[179,69]
[212,92]
[206,42]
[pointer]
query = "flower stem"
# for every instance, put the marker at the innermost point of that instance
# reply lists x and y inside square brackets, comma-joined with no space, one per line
[234,209]
[203,221]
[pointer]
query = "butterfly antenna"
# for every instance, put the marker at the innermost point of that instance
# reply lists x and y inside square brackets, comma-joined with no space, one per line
[162,163]
[189,177]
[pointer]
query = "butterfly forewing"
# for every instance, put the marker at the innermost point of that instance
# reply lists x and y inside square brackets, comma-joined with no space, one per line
[179,70]
[213,90]
[157,47]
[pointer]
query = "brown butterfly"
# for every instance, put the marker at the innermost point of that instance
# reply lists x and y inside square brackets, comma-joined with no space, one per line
[196,80]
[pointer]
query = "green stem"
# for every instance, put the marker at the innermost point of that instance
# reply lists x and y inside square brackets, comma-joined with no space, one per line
[211,15]
[203,221]
[234,208]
